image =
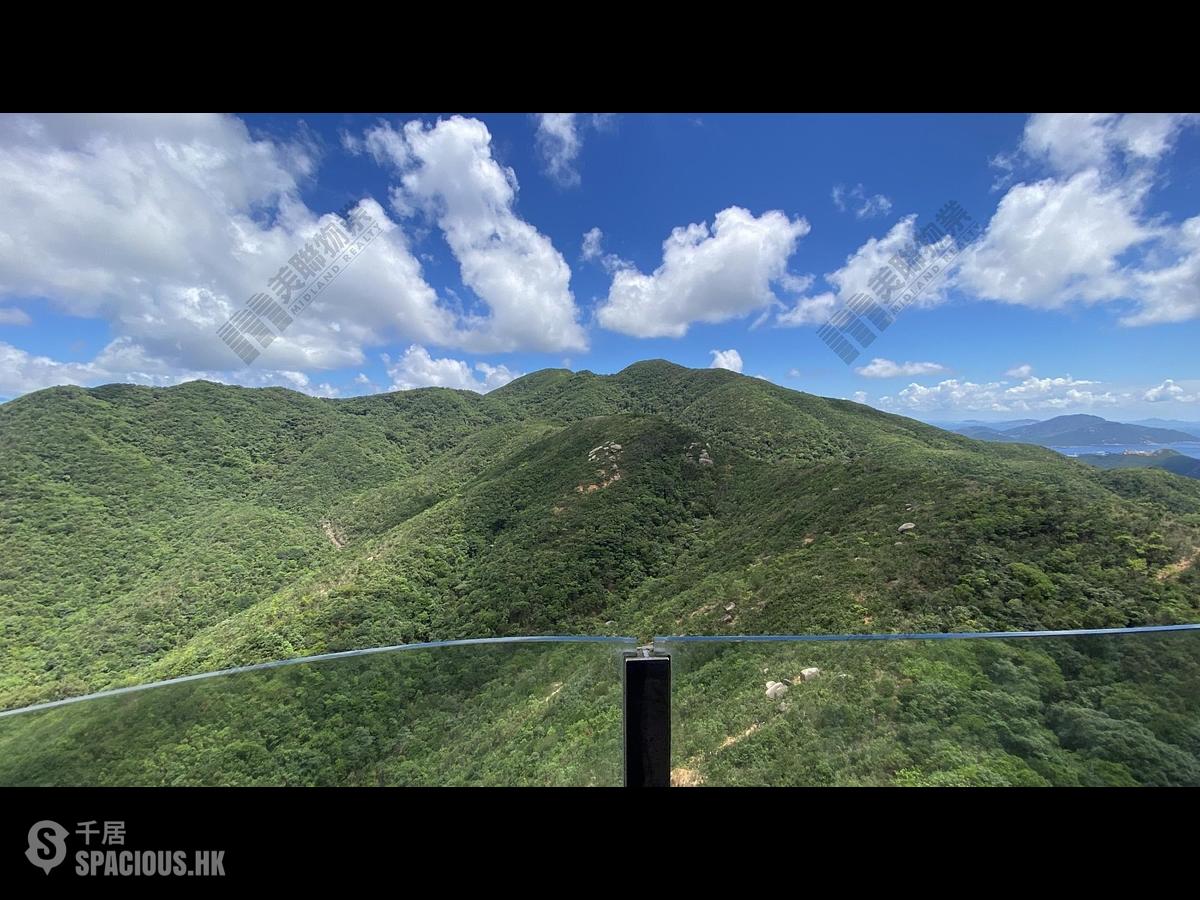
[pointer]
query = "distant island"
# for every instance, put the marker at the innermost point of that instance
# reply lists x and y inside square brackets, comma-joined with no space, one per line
[1072,431]
[1171,460]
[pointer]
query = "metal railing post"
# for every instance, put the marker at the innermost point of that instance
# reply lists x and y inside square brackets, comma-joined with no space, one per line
[646,719]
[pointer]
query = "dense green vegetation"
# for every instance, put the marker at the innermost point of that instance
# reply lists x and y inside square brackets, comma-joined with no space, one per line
[1086,711]
[539,714]
[147,533]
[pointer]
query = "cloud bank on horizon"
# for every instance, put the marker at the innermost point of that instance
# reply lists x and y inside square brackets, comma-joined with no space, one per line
[126,241]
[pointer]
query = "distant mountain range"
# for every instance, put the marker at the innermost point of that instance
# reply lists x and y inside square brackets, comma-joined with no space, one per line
[1068,431]
[992,426]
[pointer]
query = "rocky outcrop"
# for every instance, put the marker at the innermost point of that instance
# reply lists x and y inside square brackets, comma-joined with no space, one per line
[698,453]
[607,455]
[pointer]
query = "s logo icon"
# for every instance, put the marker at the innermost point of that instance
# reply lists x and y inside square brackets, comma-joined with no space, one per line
[47,845]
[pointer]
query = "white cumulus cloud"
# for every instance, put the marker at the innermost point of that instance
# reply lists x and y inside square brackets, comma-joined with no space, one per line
[1170,293]
[726,359]
[885,368]
[1031,394]
[163,226]
[856,277]
[1053,242]
[417,368]
[1169,390]
[707,275]
[124,361]
[592,250]
[863,205]
[447,171]
[593,242]
[1083,234]
[808,310]
[559,143]
[1071,142]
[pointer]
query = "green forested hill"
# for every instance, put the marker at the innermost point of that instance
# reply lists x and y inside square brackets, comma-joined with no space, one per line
[147,533]
[1168,460]
[154,532]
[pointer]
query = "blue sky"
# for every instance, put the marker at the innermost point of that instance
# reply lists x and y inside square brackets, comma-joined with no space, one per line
[127,242]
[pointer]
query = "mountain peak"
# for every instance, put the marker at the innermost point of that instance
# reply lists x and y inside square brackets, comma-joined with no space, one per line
[1076,419]
[653,366]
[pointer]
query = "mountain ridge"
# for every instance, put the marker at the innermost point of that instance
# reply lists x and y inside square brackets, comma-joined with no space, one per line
[160,531]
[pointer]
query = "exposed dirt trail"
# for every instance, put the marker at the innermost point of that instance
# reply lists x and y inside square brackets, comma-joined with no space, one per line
[1178,568]
[334,537]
